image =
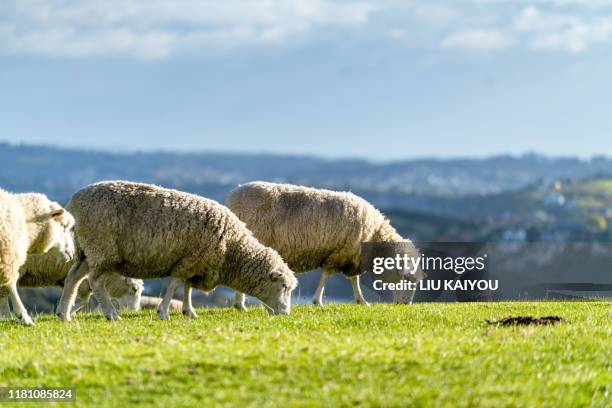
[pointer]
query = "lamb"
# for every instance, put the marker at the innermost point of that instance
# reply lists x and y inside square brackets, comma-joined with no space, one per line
[30,224]
[312,228]
[49,270]
[145,231]
[152,302]
[125,292]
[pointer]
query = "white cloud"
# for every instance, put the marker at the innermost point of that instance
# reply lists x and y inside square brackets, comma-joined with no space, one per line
[563,32]
[552,27]
[575,39]
[592,4]
[531,19]
[72,43]
[478,40]
[159,28]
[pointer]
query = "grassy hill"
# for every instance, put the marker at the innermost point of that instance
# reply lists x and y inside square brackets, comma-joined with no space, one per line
[338,355]
[590,194]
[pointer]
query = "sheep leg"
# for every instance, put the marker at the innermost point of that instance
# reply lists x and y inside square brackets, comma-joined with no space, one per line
[239,301]
[82,304]
[164,306]
[187,306]
[5,310]
[75,276]
[97,281]
[83,297]
[403,297]
[359,299]
[18,307]
[317,299]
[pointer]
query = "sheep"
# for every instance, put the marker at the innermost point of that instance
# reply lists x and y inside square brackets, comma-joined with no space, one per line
[145,231]
[29,224]
[152,302]
[125,292]
[312,228]
[130,300]
[49,270]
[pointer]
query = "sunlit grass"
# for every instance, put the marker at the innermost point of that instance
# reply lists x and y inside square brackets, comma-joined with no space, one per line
[338,355]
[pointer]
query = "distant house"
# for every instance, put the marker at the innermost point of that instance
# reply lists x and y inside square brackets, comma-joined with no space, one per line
[514,235]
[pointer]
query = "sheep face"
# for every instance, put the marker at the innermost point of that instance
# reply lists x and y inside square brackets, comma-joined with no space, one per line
[130,301]
[406,296]
[120,285]
[52,226]
[61,227]
[125,291]
[408,273]
[136,286]
[276,292]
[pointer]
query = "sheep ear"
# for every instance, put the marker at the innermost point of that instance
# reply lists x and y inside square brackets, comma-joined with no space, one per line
[57,214]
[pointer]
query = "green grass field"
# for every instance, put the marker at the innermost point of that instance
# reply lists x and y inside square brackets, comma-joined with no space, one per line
[438,355]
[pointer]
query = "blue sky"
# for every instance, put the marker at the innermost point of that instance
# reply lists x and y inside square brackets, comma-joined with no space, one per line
[379,80]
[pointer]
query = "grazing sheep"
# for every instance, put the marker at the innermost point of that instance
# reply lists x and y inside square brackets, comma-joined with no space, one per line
[130,300]
[153,302]
[29,224]
[145,231]
[124,291]
[312,228]
[49,270]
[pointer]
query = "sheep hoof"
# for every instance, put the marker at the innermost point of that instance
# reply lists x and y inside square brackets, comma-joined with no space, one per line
[317,303]
[190,314]
[362,302]
[113,317]
[63,317]
[27,321]
[162,315]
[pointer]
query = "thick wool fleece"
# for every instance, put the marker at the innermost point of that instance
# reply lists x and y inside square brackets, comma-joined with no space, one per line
[310,227]
[145,231]
[50,270]
[26,227]
[29,224]
[14,238]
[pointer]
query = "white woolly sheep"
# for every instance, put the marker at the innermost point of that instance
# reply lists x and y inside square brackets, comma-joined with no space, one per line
[50,270]
[312,228]
[125,293]
[145,231]
[153,302]
[29,224]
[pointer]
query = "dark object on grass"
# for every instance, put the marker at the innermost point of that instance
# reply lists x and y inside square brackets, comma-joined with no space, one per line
[526,320]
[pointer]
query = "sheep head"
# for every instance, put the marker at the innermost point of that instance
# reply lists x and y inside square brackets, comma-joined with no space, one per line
[49,226]
[275,290]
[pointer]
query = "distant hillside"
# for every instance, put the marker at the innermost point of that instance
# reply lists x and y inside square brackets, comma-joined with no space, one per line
[424,185]
[526,198]
[590,195]
[425,227]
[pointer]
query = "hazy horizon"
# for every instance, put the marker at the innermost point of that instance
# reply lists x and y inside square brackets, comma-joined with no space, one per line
[103,150]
